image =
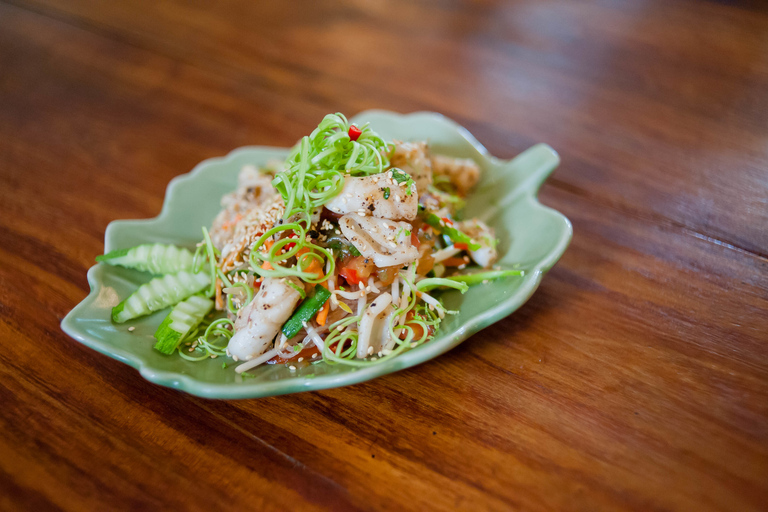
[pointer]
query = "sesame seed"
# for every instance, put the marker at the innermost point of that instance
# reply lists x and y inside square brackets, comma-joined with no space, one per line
[370,350]
[315,355]
[414,344]
[348,194]
[300,359]
[292,368]
[214,356]
[131,329]
[397,197]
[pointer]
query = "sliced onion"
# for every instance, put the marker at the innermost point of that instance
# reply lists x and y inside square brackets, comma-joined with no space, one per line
[263,358]
[444,254]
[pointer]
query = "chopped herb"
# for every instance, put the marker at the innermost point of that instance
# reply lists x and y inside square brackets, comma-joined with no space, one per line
[386,193]
[223,365]
[403,177]
[400,176]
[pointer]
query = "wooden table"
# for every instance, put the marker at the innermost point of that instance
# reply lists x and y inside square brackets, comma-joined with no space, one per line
[635,379]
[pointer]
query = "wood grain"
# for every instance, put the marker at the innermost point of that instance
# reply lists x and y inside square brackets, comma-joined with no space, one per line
[659,114]
[636,378]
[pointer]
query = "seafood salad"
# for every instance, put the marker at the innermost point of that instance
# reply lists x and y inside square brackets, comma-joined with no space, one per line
[335,255]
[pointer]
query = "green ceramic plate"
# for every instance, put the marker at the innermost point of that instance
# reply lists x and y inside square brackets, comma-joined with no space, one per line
[531,236]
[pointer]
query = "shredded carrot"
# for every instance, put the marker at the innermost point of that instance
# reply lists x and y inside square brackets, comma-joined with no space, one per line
[315,267]
[219,298]
[322,315]
[453,262]
[266,265]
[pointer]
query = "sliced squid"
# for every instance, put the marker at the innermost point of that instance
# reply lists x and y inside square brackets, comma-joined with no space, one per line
[386,242]
[378,195]
[258,323]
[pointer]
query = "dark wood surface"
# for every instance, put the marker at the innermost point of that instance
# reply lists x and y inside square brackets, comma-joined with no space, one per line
[636,378]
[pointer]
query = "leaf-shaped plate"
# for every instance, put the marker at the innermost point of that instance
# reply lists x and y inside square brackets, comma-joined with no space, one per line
[531,236]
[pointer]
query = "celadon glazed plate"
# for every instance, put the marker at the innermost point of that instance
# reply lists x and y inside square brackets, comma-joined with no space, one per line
[532,237]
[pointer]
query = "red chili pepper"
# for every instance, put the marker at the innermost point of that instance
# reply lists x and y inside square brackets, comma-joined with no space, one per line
[447,221]
[350,275]
[460,245]
[290,246]
[354,132]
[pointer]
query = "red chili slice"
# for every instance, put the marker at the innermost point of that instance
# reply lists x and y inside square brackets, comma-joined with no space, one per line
[354,132]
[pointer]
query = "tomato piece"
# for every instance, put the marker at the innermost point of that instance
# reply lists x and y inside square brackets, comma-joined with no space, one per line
[425,264]
[387,274]
[415,239]
[358,268]
[460,245]
[350,275]
[418,330]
